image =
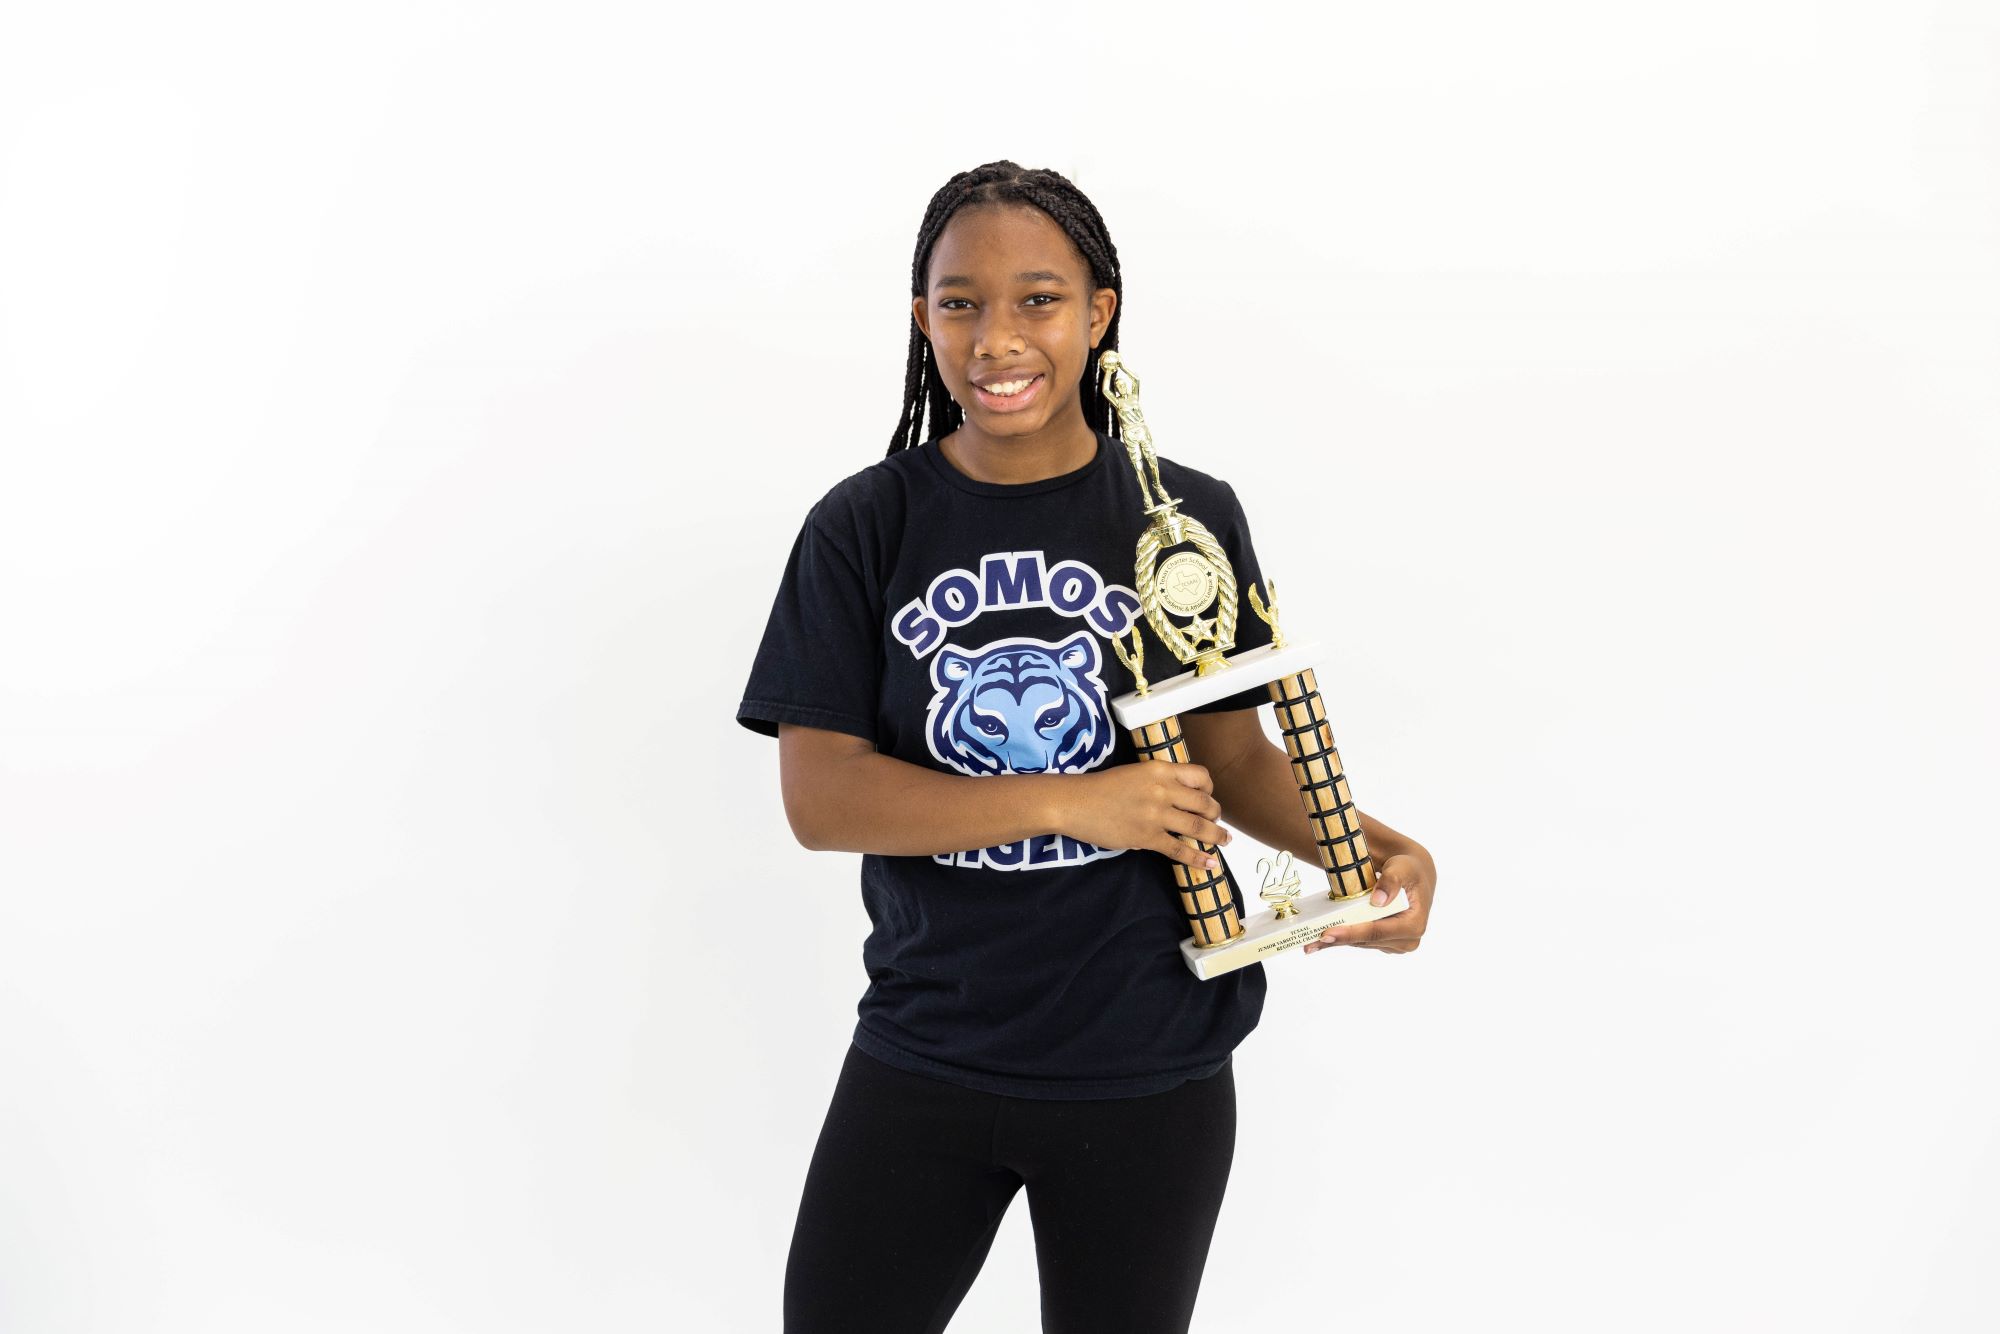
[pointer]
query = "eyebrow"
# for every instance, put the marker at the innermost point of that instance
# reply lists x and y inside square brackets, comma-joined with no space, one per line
[1031,276]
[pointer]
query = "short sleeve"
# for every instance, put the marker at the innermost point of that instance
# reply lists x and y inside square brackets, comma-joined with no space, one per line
[820,661]
[1251,631]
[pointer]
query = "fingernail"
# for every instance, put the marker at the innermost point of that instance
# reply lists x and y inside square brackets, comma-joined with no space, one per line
[1214,865]
[1379,897]
[1311,948]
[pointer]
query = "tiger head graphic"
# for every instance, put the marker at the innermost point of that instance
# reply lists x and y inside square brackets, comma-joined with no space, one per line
[1022,706]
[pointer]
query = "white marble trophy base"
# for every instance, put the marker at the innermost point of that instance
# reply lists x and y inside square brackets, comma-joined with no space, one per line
[1266,934]
[1176,694]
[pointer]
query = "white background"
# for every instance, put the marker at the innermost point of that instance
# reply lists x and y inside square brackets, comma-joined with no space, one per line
[407,409]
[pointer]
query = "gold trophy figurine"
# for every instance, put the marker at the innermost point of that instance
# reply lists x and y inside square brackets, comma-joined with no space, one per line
[1183,572]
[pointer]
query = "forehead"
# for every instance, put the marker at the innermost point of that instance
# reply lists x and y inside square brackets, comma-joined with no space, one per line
[993,243]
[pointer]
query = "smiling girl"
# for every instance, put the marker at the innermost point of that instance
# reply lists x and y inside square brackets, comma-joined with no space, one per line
[934,669]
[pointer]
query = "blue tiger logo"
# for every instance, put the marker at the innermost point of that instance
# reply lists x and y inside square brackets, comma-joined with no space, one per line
[1021,706]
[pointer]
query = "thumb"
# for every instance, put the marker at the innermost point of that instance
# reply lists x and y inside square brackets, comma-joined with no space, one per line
[1389,879]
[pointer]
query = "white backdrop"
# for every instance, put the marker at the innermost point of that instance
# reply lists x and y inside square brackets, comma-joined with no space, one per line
[407,409]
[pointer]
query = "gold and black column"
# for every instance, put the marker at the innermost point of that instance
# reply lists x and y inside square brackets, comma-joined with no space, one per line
[1207,897]
[1336,824]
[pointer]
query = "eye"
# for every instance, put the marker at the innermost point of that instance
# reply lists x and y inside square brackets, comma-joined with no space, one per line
[989,726]
[1049,719]
[1044,296]
[946,303]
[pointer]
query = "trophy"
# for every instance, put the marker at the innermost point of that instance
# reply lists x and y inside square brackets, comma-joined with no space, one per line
[1184,572]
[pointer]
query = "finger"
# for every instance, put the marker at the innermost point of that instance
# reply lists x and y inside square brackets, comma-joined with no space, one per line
[1187,854]
[1195,827]
[1390,880]
[1196,800]
[1388,930]
[1409,884]
[1368,933]
[1193,775]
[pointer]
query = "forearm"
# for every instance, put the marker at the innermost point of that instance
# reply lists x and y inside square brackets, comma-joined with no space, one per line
[870,802]
[1260,796]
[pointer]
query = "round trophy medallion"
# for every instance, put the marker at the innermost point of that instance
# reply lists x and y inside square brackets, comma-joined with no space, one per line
[1187,583]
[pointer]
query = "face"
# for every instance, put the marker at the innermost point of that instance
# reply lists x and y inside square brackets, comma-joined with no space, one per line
[1008,299]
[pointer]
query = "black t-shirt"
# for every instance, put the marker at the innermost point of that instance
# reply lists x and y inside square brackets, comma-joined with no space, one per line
[962,625]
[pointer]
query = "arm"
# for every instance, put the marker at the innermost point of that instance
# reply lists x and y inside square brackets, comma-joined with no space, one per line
[1257,793]
[842,795]
[1255,787]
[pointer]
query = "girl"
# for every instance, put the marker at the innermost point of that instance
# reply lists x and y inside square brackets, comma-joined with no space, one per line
[934,669]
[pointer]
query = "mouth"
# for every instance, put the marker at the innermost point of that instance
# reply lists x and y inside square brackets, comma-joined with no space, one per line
[1011,395]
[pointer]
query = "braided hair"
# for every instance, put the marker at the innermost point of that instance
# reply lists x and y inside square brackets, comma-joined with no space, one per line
[1005,182]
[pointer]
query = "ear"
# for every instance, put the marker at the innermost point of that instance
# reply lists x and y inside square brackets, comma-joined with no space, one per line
[951,665]
[1079,652]
[1103,302]
[920,311]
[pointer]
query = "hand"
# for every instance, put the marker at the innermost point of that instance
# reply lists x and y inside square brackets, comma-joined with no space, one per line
[1144,805]
[1392,935]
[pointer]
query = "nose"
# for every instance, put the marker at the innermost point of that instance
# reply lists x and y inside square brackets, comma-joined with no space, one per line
[998,335]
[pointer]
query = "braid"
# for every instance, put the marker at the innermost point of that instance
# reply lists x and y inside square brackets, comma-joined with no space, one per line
[1004,182]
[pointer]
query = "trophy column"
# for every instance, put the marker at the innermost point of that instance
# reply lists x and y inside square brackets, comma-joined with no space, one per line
[1343,850]
[1208,899]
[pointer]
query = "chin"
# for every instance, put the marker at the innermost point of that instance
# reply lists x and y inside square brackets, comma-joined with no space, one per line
[1011,425]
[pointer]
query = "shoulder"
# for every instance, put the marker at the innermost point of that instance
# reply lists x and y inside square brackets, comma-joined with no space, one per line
[1202,494]
[867,499]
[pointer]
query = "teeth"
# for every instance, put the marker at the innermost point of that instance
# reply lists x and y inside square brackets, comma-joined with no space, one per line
[1009,388]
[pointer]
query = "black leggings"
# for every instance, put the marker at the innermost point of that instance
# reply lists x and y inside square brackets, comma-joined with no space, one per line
[911,1176]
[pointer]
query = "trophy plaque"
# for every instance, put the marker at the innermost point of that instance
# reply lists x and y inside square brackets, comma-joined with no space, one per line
[1183,572]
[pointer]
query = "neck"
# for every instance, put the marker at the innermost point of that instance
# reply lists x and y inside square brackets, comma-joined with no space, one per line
[1014,460]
